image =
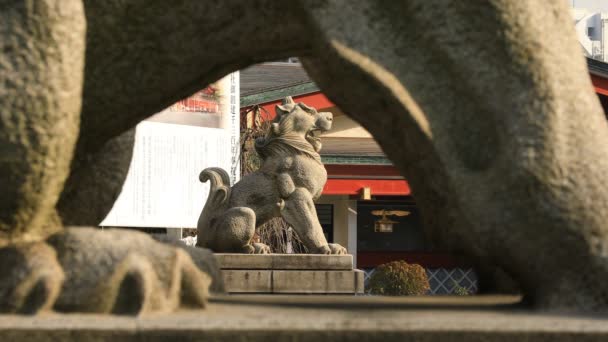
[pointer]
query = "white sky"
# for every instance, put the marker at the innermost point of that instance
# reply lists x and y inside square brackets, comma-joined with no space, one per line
[593,5]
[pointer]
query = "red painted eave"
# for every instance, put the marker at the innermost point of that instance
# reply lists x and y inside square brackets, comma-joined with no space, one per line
[600,84]
[383,187]
[316,100]
[361,170]
[351,179]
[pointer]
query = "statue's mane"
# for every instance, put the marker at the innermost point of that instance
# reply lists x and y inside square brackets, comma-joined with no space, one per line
[281,140]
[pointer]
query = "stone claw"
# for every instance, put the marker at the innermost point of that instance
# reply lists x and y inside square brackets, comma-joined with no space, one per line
[111,271]
[260,248]
[31,278]
[337,249]
[331,248]
[125,272]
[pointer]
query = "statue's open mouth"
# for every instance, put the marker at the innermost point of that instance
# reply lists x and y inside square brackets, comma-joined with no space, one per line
[314,136]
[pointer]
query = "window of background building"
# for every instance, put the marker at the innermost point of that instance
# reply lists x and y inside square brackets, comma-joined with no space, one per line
[407,235]
[325,212]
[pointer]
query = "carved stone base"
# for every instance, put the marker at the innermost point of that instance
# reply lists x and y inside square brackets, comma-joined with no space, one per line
[290,274]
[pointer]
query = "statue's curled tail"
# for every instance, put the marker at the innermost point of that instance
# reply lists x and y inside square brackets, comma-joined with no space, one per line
[219,193]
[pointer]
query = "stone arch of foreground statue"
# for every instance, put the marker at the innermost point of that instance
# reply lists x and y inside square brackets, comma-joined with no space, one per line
[486,108]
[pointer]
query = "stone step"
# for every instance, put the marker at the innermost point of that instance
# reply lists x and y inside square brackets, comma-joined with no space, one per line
[229,261]
[290,273]
[320,318]
[293,281]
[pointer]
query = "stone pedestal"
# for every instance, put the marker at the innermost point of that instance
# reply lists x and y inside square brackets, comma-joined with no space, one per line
[290,274]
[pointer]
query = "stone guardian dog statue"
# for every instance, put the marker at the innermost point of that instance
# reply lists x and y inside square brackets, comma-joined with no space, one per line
[290,179]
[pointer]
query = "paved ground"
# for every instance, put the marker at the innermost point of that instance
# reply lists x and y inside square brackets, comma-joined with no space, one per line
[319,318]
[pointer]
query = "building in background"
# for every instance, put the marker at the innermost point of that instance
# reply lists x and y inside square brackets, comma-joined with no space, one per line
[366,204]
[592,31]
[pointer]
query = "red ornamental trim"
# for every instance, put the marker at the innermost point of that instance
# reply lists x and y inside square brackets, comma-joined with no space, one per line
[600,84]
[377,187]
[316,100]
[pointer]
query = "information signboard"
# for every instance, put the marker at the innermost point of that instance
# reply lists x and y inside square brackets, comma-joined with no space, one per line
[162,188]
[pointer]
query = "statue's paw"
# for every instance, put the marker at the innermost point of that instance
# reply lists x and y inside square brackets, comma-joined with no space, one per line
[260,248]
[321,250]
[336,249]
[125,272]
[30,278]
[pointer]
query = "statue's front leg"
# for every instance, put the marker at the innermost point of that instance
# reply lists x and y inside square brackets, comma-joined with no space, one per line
[41,74]
[43,265]
[300,213]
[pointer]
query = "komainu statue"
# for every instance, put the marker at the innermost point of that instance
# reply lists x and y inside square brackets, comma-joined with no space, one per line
[290,179]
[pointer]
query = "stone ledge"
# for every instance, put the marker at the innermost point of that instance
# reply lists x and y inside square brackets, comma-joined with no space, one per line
[247,281]
[293,281]
[284,261]
[307,282]
[326,318]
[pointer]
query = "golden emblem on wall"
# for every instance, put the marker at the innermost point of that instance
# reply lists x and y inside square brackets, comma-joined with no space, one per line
[384,224]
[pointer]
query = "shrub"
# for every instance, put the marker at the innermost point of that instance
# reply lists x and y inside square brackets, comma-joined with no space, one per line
[459,290]
[398,278]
